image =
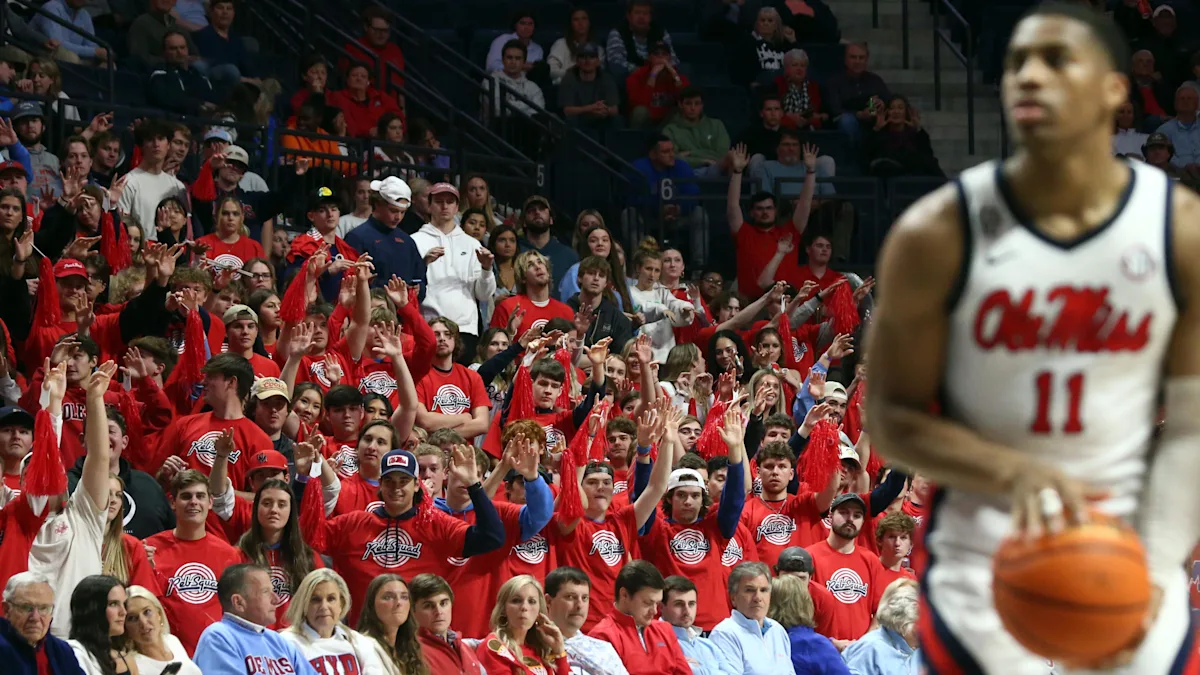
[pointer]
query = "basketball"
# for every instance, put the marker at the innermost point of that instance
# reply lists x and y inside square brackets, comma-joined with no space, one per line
[1079,596]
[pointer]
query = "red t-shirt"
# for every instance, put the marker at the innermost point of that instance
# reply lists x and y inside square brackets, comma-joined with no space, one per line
[343,455]
[187,574]
[851,578]
[477,580]
[701,553]
[918,535]
[456,392]
[364,545]
[194,437]
[755,248]
[358,494]
[803,273]
[824,607]
[774,524]
[312,368]
[886,577]
[233,255]
[535,314]
[599,549]
[263,367]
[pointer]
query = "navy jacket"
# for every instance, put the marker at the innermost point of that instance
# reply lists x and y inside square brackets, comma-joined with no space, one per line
[392,250]
[20,659]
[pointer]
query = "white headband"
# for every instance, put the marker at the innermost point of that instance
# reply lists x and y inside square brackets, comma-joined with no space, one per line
[677,476]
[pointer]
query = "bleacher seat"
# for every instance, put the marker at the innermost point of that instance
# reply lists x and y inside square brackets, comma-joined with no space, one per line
[429,14]
[481,42]
[824,60]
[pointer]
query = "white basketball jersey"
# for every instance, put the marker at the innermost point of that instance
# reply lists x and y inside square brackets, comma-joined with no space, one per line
[1056,348]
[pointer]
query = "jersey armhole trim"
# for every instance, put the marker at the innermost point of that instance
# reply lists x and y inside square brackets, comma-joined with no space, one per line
[1169,246]
[968,247]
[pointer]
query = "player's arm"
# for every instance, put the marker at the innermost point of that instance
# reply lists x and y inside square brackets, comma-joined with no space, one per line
[919,270]
[1171,509]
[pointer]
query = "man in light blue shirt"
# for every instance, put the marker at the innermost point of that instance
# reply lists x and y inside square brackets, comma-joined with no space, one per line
[523,27]
[890,649]
[72,12]
[1184,132]
[792,163]
[751,643]
[568,594]
[679,609]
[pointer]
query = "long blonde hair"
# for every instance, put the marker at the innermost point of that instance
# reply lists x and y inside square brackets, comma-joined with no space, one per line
[144,593]
[112,552]
[756,381]
[533,638]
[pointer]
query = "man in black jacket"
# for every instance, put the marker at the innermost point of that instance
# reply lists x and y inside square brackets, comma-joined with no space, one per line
[596,298]
[177,86]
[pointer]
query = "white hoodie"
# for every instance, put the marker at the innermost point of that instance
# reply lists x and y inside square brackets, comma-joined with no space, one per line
[348,651]
[457,283]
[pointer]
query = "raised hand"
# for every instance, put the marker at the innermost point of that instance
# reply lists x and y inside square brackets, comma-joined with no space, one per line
[816,385]
[550,633]
[116,190]
[135,366]
[397,291]
[583,320]
[224,444]
[738,159]
[702,386]
[785,246]
[815,414]
[810,156]
[828,291]
[462,464]
[526,458]
[77,249]
[733,432]
[171,466]
[863,289]
[24,247]
[806,290]
[8,135]
[530,336]
[319,262]
[514,321]
[346,291]
[842,346]
[642,349]
[301,340]
[83,313]
[433,254]
[62,351]
[650,427]
[54,383]
[391,345]
[97,381]
[166,263]
[485,258]
[333,370]
[598,352]
[306,453]
[725,385]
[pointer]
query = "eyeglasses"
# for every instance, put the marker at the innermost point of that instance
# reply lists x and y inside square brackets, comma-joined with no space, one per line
[25,608]
[713,280]
[260,276]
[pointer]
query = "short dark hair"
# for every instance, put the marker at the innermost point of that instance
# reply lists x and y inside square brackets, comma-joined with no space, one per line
[635,576]
[1110,36]
[214,3]
[676,584]
[655,139]
[769,96]
[151,130]
[622,425]
[114,414]
[558,323]
[691,460]
[594,263]
[788,133]
[515,44]
[233,582]
[188,477]
[343,395]
[230,365]
[548,368]
[762,197]
[775,450]
[562,576]
[451,326]
[424,586]
[376,12]
[779,420]
[441,436]
[173,31]
[716,463]
[690,91]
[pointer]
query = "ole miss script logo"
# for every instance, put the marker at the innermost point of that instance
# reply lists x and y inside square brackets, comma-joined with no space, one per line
[690,546]
[204,448]
[378,382]
[846,586]
[776,529]
[1085,322]
[533,551]
[450,400]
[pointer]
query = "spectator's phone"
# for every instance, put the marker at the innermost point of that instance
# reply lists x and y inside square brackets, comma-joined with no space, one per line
[172,668]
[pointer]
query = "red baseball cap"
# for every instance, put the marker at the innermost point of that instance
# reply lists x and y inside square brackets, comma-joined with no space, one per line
[12,165]
[69,267]
[266,459]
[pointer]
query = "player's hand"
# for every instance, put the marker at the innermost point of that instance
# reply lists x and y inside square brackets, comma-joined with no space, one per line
[1045,501]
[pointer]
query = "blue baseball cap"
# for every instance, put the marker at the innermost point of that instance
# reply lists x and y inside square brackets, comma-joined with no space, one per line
[399,460]
[12,415]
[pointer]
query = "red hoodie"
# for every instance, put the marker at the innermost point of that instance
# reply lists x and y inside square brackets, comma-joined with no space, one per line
[660,97]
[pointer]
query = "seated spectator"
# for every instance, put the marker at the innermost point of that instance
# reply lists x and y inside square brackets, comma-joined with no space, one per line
[433,606]
[537,220]
[588,94]
[376,47]
[362,104]
[675,213]
[629,46]
[792,608]
[106,155]
[177,86]
[568,594]
[523,25]
[810,21]
[891,648]
[25,642]
[758,57]
[799,94]
[314,76]
[47,81]
[30,124]
[794,162]
[317,142]
[147,32]
[1158,152]
[646,645]
[191,14]
[317,628]
[748,640]
[241,636]
[1172,49]
[565,51]
[1184,132]
[701,141]
[422,134]
[216,140]
[1128,137]
[594,278]
[150,637]
[854,95]
[12,64]
[229,62]
[761,140]
[898,146]
[97,632]
[679,610]
[1149,91]
[512,75]
[73,13]
[653,89]
[520,639]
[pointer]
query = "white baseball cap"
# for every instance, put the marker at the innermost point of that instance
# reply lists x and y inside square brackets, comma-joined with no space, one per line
[393,190]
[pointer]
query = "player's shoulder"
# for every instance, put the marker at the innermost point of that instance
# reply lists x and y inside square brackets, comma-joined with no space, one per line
[1185,217]
[930,220]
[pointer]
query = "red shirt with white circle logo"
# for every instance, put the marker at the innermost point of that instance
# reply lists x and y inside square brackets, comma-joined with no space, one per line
[233,255]
[778,525]
[194,437]
[187,573]
[600,550]
[457,391]
[851,579]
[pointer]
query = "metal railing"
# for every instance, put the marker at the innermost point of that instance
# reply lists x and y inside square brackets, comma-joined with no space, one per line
[964,56]
[110,62]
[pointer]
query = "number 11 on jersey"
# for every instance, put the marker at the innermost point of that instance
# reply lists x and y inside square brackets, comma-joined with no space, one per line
[1048,385]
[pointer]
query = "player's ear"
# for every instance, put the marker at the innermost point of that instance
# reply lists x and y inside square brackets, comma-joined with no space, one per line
[1115,90]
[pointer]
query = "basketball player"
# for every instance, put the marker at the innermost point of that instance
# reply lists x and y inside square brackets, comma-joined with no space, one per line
[1045,301]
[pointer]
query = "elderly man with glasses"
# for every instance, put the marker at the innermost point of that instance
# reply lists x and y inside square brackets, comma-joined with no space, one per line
[26,647]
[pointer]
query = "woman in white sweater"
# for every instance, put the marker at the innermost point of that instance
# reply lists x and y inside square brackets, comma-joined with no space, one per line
[149,635]
[562,52]
[659,311]
[318,609]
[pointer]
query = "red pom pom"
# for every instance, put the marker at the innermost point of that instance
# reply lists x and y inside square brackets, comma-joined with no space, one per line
[845,313]
[710,444]
[45,475]
[820,458]
[114,244]
[563,356]
[48,313]
[188,371]
[312,510]
[570,506]
[294,305]
[521,407]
